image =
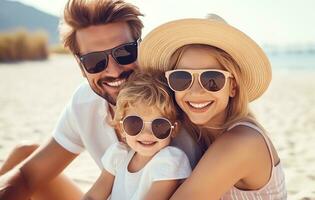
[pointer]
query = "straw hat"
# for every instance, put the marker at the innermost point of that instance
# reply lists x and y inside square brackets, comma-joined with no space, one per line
[159,45]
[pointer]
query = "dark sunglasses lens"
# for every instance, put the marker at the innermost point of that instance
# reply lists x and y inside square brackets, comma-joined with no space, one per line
[161,128]
[180,80]
[95,62]
[132,125]
[126,54]
[212,81]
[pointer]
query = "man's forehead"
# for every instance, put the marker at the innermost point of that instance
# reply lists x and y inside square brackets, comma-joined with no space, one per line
[101,37]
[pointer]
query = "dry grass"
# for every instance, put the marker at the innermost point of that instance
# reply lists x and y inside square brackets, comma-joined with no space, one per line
[59,49]
[22,45]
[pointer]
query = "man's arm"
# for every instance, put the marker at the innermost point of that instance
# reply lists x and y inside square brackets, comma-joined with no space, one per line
[45,164]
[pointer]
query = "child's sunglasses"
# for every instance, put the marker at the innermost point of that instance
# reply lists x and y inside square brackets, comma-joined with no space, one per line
[211,80]
[97,61]
[160,127]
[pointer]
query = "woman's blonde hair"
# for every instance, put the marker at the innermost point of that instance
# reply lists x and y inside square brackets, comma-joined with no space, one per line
[238,106]
[146,88]
[80,14]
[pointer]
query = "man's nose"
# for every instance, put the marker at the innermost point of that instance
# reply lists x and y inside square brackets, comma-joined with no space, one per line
[113,69]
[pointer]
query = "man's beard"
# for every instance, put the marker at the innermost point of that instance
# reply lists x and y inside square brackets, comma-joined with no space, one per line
[104,94]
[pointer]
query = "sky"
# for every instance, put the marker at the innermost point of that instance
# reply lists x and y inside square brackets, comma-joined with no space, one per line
[268,22]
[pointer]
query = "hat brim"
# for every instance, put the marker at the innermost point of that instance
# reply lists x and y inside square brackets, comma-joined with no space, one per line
[161,43]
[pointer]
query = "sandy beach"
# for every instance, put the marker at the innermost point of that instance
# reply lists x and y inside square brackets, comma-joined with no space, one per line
[33,94]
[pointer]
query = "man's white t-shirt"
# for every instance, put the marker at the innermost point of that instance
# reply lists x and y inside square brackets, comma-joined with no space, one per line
[83,126]
[170,163]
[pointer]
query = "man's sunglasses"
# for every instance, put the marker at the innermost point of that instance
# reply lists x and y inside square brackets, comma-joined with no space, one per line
[211,80]
[124,54]
[160,127]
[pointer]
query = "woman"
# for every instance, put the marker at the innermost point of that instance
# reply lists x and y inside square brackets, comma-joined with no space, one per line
[215,70]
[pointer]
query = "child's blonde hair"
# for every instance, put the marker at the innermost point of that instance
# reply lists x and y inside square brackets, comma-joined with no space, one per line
[238,106]
[146,88]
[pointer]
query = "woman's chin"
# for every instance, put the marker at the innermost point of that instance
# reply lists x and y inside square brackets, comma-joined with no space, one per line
[200,121]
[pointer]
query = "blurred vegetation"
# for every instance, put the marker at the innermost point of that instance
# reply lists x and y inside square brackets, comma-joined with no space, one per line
[59,49]
[22,45]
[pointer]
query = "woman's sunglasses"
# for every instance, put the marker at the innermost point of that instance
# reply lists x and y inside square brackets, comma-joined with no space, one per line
[124,54]
[211,80]
[160,127]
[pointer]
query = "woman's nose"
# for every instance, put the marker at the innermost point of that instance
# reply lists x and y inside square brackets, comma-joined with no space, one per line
[196,87]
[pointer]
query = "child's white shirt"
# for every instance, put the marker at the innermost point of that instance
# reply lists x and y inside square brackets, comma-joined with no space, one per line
[169,163]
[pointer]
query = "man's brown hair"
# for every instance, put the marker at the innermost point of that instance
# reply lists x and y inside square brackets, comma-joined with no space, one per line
[80,14]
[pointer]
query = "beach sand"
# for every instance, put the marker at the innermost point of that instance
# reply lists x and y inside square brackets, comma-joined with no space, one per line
[33,94]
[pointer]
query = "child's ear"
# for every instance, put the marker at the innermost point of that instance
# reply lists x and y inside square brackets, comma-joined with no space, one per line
[175,129]
[232,87]
[121,134]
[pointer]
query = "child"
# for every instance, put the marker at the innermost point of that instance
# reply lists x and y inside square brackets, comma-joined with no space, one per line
[144,167]
[215,70]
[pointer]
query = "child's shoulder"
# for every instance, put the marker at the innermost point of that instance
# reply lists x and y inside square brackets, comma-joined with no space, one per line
[169,163]
[115,153]
[170,154]
[171,151]
[118,147]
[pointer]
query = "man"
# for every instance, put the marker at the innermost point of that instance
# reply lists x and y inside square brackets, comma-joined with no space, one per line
[89,26]
[103,35]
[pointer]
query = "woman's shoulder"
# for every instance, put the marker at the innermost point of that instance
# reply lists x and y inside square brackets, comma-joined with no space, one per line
[251,138]
[241,141]
[242,146]
[239,135]
[244,134]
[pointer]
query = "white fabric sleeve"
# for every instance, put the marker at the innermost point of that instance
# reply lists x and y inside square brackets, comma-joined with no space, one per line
[65,132]
[114,156]
[169,164]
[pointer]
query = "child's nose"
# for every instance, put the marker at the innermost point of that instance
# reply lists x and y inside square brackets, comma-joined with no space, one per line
[147,129]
